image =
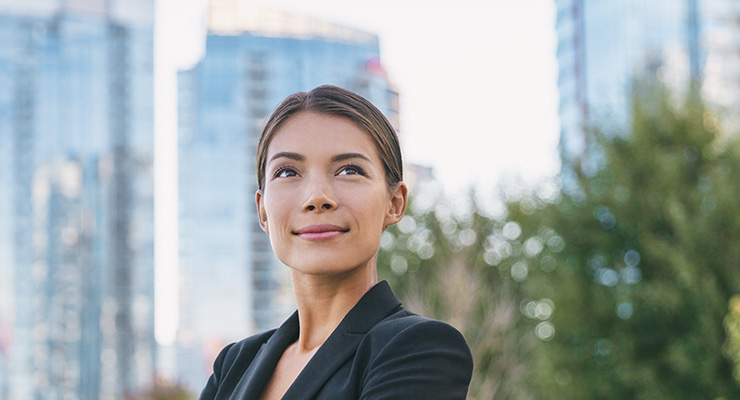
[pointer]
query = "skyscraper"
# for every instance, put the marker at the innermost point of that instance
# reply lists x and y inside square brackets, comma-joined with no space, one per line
[604,45]
[232,284]
[76,260]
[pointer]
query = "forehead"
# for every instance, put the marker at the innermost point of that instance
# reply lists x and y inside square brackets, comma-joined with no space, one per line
[312,133]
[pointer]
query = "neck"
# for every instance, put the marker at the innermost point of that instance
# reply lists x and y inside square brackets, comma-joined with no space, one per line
[323,301]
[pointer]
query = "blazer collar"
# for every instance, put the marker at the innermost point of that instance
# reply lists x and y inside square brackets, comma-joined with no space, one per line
[253,382]
[376,304]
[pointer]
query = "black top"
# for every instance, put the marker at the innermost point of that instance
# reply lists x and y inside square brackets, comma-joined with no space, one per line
[379,351]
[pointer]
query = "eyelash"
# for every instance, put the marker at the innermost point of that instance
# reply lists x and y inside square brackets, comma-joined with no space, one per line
[356,167]
[280,170]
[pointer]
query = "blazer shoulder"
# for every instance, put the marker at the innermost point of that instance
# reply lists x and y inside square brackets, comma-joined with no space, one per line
[243,350]
[410,356]
[231,363]
[405,323]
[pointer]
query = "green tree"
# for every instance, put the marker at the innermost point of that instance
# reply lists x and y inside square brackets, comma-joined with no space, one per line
[732,327]
[638,262]
[435,259]
[617,289]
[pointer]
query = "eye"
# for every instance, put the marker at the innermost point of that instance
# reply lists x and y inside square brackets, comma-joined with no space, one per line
[351,169]
[285,172]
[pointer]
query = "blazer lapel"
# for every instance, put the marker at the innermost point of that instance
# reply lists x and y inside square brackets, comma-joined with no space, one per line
[375,305]
[253,382]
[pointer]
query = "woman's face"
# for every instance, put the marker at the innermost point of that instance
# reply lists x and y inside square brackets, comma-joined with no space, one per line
[325,201]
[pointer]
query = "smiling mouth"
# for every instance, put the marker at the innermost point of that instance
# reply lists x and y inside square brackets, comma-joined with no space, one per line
[320,232]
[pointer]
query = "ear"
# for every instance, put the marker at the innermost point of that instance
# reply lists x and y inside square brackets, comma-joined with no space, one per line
[396,205]
[261,213]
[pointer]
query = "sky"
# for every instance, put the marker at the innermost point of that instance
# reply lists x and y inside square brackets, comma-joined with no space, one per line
[477,80]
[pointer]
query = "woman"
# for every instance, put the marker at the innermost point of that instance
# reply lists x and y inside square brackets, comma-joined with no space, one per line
[330,181]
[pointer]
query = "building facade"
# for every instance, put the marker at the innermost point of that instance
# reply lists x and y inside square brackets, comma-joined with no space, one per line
[231,283]
[76,223]
[605,45]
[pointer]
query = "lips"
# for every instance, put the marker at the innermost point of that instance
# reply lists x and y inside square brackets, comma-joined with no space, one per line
[320,232]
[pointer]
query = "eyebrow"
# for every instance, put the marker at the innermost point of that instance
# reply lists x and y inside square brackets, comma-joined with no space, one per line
[287,154]
[338,157]
[347,156]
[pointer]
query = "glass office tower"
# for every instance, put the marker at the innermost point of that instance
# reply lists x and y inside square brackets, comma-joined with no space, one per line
[604,45]
[76,242]
[232,284]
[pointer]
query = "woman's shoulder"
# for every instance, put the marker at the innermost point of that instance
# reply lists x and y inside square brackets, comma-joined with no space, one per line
[428,339]
[243,351]
[409,355]
[237,356]
[405,324]
[245,348]
[232,362]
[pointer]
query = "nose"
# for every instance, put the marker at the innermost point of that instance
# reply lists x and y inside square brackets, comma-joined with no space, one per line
[319,197]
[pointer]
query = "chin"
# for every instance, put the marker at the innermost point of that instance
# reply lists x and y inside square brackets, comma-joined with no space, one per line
[322,267]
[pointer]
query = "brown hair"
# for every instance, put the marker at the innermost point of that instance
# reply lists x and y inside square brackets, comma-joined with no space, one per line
[332,100]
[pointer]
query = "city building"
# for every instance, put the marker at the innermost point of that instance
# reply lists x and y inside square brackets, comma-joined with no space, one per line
[605,46]
[231,283]
[76,211]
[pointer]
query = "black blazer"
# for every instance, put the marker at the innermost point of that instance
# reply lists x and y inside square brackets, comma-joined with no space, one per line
[379,351]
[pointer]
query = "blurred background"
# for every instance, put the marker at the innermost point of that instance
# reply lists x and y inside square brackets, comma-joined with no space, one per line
[574,168]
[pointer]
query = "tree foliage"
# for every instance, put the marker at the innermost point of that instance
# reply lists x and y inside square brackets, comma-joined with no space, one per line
[618,290]
[732,327]
[434,259]
[651,259]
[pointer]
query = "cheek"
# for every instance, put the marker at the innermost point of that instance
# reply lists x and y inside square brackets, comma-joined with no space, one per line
[276,210]
[374,208]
